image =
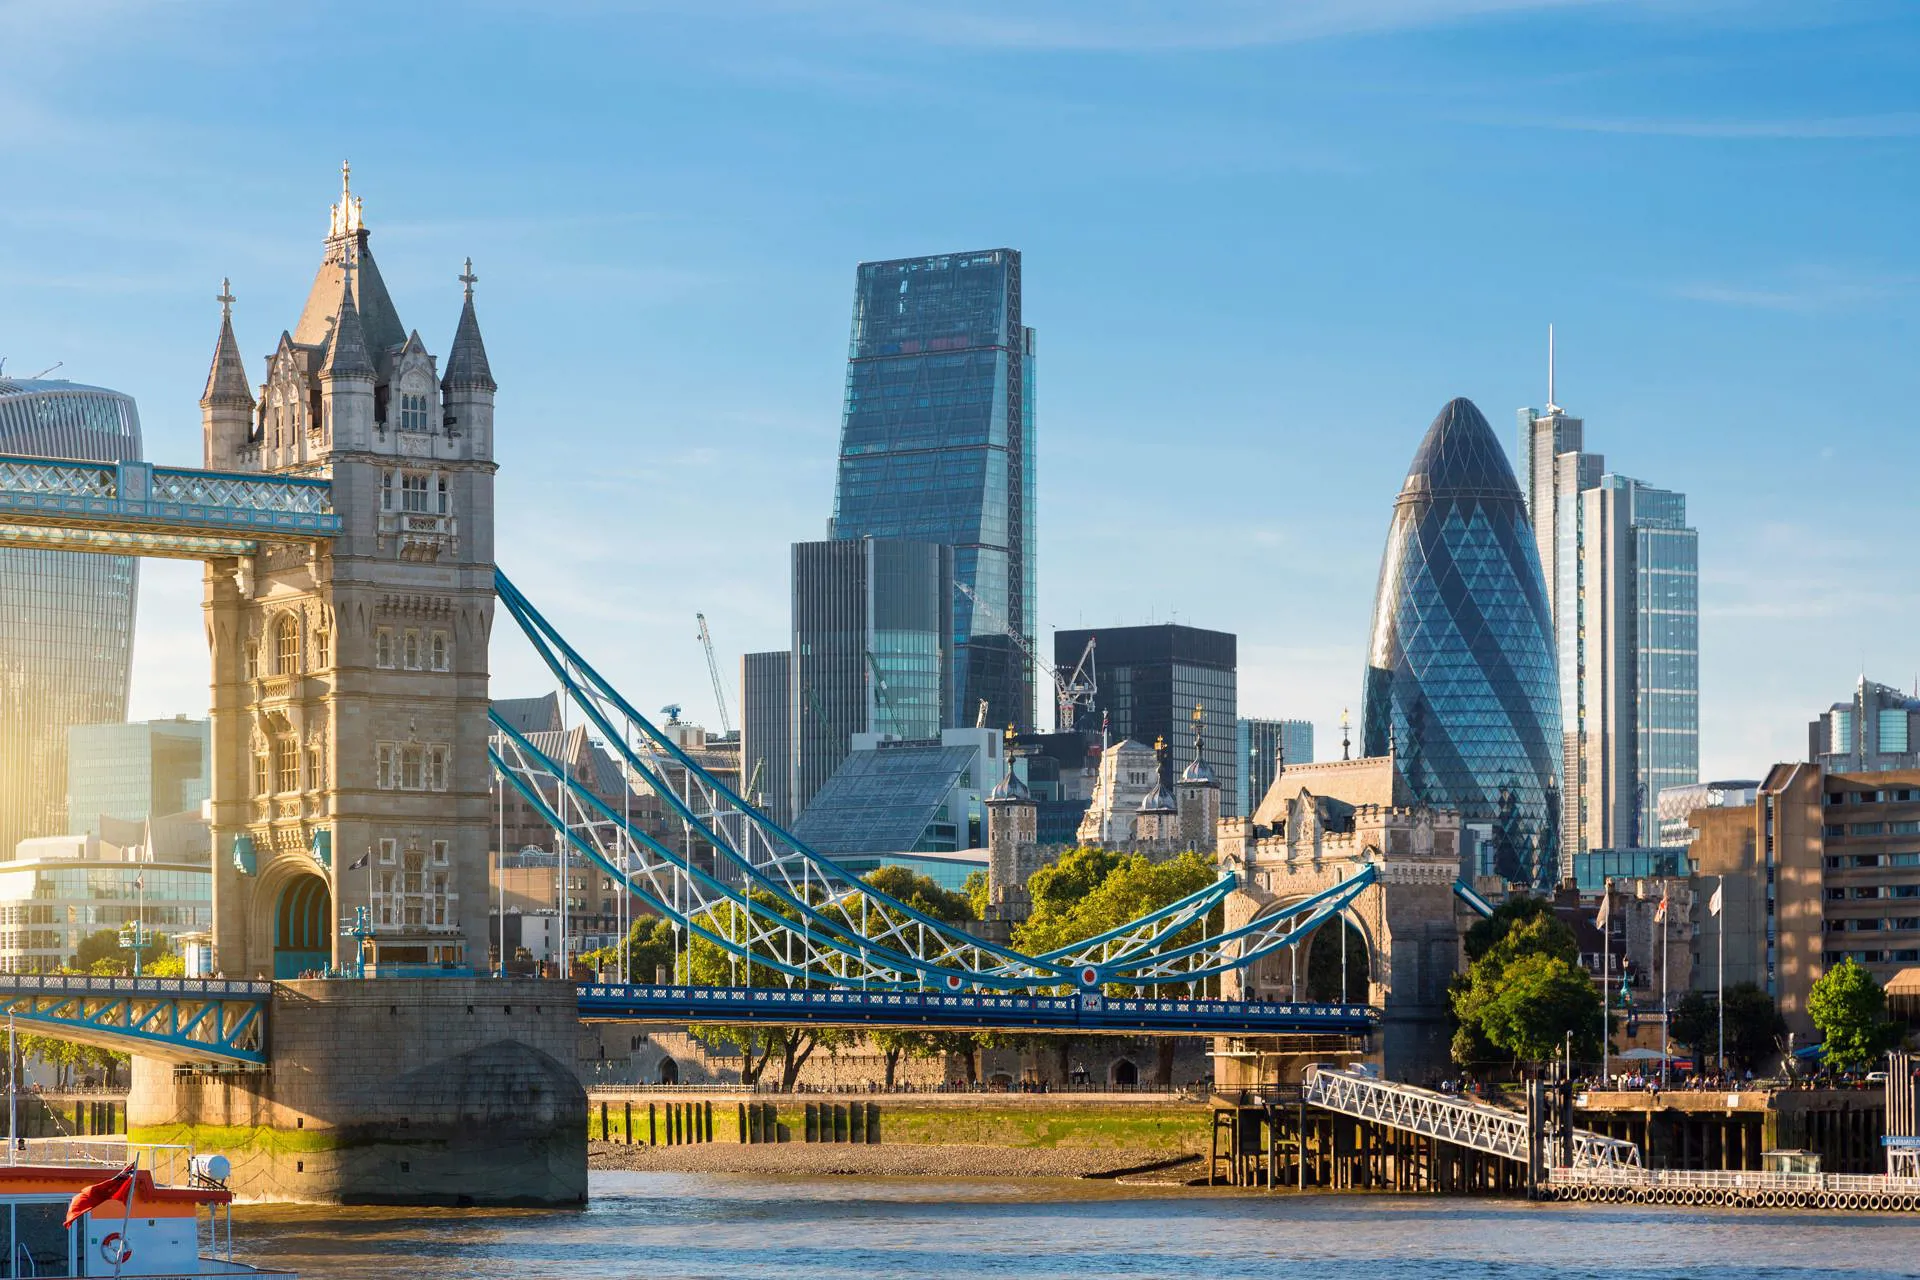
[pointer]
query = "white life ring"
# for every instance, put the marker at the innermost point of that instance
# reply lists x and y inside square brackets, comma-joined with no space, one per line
[115,1250]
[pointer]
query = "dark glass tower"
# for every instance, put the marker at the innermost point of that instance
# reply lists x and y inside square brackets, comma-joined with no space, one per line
[1461,683]
[937,446]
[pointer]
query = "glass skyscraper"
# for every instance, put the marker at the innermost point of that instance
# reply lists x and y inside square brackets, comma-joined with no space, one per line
[1460,681]
[1257,744]
[937,445]
[66,617]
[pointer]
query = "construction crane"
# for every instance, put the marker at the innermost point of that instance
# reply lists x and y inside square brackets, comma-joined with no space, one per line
[713,669]
[1071,689]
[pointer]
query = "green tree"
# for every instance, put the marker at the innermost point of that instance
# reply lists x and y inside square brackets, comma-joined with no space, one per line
[1518,1001]
[976,890]
[1849,1007]
[924,895]
[106,953]
[651,947]
[1754,1025]
[1090,891]
[1485,933]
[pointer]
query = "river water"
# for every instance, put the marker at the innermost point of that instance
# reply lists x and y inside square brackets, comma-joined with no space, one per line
[674,1226]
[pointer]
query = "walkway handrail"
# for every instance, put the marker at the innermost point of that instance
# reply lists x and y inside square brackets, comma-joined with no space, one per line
[1465,1123]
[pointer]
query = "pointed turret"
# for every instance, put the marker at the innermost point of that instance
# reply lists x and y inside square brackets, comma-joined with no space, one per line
[467,387]
[347,348]
[226,408]
[347,376]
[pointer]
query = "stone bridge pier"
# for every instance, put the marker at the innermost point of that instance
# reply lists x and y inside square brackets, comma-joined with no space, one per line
[1396,947]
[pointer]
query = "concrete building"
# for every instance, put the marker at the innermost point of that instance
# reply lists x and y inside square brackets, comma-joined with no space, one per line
[1258,748]
[1875,730]
[136,771]
[766,732]
[1152,679]
[1677,804]
[1820,866]
[871,650]
[937,445]
[66,618]
[350,686]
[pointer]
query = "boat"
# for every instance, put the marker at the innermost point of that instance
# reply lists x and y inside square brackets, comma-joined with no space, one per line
[176,1222]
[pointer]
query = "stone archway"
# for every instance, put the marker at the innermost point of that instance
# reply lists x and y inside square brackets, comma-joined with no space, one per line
[302,933]
[1124,1074]
[1327,968]
[669,1071]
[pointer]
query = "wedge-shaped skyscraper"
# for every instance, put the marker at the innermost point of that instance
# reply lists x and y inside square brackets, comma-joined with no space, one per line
[1460,680]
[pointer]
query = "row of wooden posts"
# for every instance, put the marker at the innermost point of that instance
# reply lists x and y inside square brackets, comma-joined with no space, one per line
[675,1124]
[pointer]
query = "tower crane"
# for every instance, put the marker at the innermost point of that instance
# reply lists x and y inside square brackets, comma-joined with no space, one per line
[713,669]
[1071,689]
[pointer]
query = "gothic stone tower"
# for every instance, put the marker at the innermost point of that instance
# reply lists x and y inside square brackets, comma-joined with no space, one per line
[350,679]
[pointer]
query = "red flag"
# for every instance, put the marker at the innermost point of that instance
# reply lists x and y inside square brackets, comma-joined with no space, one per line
[118,1187]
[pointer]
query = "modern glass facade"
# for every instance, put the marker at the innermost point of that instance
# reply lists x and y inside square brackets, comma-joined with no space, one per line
[1460,681]
[1257,746]
[937,445]
[136,771]
[1151,680]
[871,625]
[66,618]
[766,732]
[48,907]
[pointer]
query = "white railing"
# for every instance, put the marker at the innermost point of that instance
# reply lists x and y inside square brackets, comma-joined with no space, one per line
[168,1164]
[1734,1180]
[1475,1125]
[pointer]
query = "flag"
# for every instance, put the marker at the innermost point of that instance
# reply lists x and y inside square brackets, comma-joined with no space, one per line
[1606,907]
[1660,912]
[119,1187]
[361,861]
[1713,903]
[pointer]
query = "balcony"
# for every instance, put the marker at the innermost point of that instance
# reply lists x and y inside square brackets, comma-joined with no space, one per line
[418,535]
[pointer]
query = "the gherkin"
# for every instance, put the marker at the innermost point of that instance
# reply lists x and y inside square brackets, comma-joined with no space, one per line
[1461,682]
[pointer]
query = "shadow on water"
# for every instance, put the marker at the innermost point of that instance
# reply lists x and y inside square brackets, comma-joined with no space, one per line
[695,1227]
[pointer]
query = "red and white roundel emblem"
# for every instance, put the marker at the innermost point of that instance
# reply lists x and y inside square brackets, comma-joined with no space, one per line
[953,982]
[1089,976]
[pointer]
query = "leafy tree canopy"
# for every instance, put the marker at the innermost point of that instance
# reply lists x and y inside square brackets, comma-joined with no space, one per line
[1485,933]
[1754,1025]
[1524,993]
[923,894]
[1849,1007]
[1090,891]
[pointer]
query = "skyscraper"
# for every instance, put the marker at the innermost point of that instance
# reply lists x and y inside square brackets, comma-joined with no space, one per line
[1875,729]
[766,732]
[1460,671]
[66,618]
[1257,746]
[871,625]
[1152,679]
[1640,652]
[937,445]
[137,771]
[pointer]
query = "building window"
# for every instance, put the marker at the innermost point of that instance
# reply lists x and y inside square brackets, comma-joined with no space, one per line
[440,647]
[413,492]
[262,782]
[386,491]
[439,761]
[445,499]
[286,764]
[252,660]
[388,848]
[383,647]
[410,651]
[286,644]
[1893,730]
[322,649]
[413,412]
[410,768]
[384,772]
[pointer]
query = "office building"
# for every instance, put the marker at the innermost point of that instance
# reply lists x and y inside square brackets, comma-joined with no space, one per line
[872,621]
[1622,578]
[1875,730]
[890,796]
[1460,687]
[1152,681]
[1819,867]
[66,617]
[60,889]
[1639,641]
[766,733]
[136,771]
[937,445]
[1258,746]
[1677,804]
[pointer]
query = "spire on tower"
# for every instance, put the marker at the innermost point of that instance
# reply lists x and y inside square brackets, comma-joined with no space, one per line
[467,358]
[1552,404]
[347,346]
[227,379]
[345,217]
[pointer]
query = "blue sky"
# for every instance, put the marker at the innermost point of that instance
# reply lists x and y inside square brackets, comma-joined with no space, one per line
[1264,243]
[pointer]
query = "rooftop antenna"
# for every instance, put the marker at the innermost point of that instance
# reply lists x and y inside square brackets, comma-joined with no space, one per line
[1552,406]
[49,369]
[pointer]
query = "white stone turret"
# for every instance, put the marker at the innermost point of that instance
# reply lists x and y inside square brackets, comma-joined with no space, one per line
[226,408]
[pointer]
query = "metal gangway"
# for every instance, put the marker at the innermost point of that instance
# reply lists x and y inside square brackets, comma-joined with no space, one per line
[1475,1125]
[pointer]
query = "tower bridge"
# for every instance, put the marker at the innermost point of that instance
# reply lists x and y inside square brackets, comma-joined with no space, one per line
[344,515]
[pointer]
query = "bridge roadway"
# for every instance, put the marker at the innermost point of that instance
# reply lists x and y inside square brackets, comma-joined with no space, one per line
[219,1022]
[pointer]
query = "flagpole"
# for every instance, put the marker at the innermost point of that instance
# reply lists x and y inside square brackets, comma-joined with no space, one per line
[1665,1015]
[1606,970]
[1720,995]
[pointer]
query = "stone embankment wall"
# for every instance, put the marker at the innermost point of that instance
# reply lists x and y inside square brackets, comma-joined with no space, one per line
[429,1091]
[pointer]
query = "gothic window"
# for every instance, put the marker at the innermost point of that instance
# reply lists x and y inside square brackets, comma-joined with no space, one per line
[388,847]
[322,649]
[286,763]
[286,643]
[439,650]
[439,767]
[384,774]
[316,767]
[411,768]
[410,651]
[383,647]
[413,411]
[386,490]
[439,853]
[261,782]
[444,504]
[253,659]
[413,491]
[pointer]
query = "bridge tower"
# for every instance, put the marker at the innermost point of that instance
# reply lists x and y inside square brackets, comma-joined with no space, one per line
[350,681]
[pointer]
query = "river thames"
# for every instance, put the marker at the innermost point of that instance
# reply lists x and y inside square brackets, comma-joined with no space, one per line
[682,1227]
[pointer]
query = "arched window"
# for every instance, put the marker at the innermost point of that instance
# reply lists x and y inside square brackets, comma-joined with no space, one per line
[286,763]
[286,643]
